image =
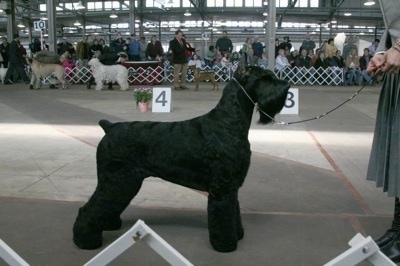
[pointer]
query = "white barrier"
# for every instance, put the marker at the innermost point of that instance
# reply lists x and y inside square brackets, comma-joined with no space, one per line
[9,255]
[139,231]
[361,249]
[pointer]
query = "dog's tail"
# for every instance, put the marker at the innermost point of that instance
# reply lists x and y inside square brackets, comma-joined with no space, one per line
[106,125]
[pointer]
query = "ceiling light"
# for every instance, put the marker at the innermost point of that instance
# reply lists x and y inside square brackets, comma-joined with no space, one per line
[80,6]
[113,15]
[265,3]
[21,25]
[347,14]
[77,23]
[265,13]
[187,13]
[369,3]
[1,10]
[333,21]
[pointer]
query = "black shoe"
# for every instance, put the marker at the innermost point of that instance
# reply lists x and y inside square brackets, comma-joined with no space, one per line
[27,82]
[110,88]
[177,88]
[31,87]
[88,86]
[7,83]
[52,86]
[184,88]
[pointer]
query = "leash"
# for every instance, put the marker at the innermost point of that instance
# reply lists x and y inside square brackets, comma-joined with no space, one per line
[308,119]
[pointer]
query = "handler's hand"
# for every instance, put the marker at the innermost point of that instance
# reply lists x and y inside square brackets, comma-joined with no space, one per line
[376,63]
[392,63]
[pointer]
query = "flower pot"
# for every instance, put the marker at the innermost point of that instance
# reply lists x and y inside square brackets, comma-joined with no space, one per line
[143,107]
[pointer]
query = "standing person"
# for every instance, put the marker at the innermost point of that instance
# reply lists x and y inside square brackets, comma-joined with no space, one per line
[95,46]
[348,47]
[154,49]
[258,49]
[276,47]
[35,46]
[383,165]
[373,46]
[118,44]
[17,62]
[134,48]
[65,46]
[308,44]
[224,44]
[246,46]
[82,54]
[143,48]
[5,51]
[285,45]
[177,48]
[105,48]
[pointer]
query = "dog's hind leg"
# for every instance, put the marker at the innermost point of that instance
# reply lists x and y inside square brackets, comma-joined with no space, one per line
[223,218]
[114,191]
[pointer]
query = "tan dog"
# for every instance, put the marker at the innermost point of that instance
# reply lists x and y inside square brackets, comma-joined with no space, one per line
[206,75]
[40,70]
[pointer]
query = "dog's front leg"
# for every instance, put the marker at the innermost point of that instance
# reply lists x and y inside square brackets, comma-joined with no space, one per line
[223,218]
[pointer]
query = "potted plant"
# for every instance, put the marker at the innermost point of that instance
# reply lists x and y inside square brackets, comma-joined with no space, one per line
[143,97]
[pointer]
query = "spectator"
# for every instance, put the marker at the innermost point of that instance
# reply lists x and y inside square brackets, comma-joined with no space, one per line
[281,61]
[189,49]
[177,48]
[105,48]
[321,65]
[95,46]
[224,43]
[372,48]
[118,44]
[17,62]
[246,46]
[258,49]
[303,64]
[292,57]
[134,48]
[35,46]
[250,54]
[330,47]
[65,46]
[276,47]
[154,50]
[364,61]
[93,39]
[308,44]
[195,61]
[353,68]
[143,48]
[68,64]
[263,61]
[348,47]
[340,59]
[313,57]
[82,54]
[210,56]
[225,61]
[285,45]
[334,64]
[5,51]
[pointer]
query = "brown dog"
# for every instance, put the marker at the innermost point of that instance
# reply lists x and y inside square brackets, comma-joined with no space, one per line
[204,75]
[40,70]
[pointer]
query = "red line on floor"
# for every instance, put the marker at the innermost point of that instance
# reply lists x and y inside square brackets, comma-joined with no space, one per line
[363,205]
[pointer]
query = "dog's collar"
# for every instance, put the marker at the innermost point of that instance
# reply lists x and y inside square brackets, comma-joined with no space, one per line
[258,108]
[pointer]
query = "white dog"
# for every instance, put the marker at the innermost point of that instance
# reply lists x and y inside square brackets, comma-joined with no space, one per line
[113,73]
[40,70]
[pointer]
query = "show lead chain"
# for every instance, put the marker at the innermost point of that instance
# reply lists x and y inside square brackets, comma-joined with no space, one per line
[309,119]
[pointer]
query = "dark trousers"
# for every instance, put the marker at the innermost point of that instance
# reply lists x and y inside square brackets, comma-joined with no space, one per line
[19,67]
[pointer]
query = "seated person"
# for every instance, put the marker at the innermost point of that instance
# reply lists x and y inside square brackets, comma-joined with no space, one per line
[195,61]
[353,68]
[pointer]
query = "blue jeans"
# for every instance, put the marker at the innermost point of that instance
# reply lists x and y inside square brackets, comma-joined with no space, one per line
[354,76]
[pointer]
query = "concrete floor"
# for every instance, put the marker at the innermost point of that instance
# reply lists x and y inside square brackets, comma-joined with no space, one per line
[304,198]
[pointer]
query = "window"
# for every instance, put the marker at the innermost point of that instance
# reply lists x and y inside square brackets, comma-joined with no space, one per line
[234,3]
[108,5]
[253,3]
[94,6]
[215,3]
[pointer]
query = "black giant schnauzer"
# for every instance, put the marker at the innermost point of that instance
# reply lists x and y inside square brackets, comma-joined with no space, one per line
[208,153]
